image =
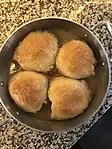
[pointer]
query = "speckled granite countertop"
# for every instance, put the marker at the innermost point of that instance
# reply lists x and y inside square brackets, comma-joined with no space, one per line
[12,14]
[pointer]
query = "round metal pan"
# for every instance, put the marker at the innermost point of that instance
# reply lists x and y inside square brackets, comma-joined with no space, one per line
[65,30]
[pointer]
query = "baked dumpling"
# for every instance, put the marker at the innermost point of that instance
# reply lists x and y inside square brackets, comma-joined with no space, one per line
[69,97]
[28,89]
[37,51]
[76,60]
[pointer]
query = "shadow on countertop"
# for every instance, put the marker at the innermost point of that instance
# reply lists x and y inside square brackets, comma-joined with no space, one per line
[99,136]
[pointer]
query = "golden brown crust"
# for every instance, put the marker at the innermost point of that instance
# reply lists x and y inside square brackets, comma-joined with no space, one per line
[28,90]
[37,51]
[69,97]
[76,60]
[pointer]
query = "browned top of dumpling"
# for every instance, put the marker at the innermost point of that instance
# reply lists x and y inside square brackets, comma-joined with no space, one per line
[28,90]
[69,97]
[76,60]
[37,51]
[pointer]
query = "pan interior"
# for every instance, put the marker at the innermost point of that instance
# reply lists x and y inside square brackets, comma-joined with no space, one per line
[65,31]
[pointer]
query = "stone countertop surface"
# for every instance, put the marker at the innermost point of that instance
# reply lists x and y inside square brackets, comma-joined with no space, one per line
[14,13]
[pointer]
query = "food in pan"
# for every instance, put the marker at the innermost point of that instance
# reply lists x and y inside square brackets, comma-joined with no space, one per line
[76,60]
[28,89]
[69,97]
[37,51]
[37,55]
